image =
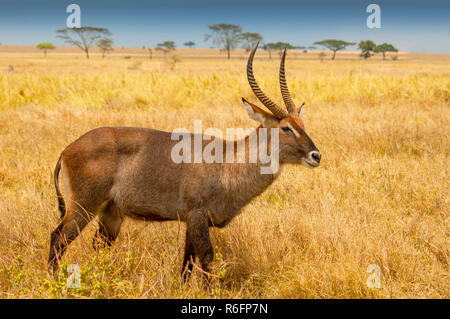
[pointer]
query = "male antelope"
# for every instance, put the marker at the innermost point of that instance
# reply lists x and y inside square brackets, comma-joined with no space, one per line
[118,172]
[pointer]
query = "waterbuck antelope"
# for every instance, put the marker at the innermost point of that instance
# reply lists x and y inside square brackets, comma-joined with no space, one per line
[118,172]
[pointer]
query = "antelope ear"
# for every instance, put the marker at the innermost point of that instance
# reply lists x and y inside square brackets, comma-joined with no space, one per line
[255,113]
[301,109]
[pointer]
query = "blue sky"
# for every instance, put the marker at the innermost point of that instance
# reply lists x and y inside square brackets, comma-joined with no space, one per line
[419,26]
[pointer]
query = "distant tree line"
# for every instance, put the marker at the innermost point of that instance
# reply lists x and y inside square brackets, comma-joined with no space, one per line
[224,36]
[230,36]
[369,48]
[189,44]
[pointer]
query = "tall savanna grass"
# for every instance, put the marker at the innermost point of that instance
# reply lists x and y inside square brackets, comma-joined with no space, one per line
[380,197]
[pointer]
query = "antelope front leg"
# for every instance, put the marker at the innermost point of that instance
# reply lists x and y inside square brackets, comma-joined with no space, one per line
[198,242]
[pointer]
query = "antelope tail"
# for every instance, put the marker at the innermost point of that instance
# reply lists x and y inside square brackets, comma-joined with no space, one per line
[61,203]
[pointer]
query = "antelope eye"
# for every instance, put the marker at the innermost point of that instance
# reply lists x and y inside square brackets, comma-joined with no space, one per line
[286,129]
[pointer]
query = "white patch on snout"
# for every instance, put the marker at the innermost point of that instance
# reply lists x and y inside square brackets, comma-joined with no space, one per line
[306,164]
[293,130]
[310,155]
[310,162]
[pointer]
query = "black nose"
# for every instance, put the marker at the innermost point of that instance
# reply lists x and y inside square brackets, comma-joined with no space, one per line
[316,156]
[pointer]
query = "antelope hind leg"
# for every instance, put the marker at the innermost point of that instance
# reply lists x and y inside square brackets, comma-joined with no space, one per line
[110,221]
[76,218]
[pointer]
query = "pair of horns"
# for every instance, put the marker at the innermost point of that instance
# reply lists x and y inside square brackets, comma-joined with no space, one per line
[278,111]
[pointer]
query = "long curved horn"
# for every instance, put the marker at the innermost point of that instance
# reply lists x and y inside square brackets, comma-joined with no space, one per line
[279,112]
[284,89]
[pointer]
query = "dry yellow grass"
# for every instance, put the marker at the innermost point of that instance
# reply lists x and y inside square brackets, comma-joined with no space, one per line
[380,197]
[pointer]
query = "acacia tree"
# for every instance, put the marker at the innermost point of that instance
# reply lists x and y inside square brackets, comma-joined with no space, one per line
[280,46]
[226,36]
[45,46]
[269,47]
[105,45]
[367,48]
[249,39]
[83,37]
[334,45]
[385,47]
[189,44]
[166,47]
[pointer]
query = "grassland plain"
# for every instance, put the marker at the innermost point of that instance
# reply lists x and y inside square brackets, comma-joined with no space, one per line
[380,197]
